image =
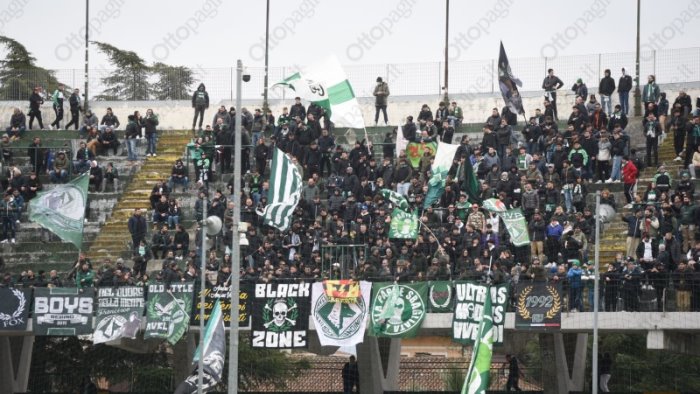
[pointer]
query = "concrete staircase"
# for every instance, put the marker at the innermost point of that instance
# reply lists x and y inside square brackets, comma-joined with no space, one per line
[113,240]
[614,234]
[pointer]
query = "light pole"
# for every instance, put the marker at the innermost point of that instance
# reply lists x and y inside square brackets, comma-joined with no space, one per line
[87,44]
[202,279]
[235,241]
[637,92]
[596,297]
[267,51]
[447,40]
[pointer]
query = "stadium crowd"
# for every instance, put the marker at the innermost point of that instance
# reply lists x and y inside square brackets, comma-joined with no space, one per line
[539,167]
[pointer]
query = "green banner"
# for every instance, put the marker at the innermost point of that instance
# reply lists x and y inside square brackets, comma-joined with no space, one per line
[479,373]
[119,313]
[415,150]
[63,311]
[516,226]
[168,311]
[440,297]
[61,210]
[395,198]
[470,298]
[404,225]
[398,310]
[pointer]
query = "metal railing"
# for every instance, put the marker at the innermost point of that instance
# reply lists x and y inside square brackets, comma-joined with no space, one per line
[410,79]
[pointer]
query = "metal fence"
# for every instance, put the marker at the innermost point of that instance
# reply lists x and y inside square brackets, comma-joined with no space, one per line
[410,79]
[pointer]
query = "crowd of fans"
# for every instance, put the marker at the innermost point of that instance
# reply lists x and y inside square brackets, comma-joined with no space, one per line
[541,167]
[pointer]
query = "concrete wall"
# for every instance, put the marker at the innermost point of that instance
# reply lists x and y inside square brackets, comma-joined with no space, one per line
[178,114]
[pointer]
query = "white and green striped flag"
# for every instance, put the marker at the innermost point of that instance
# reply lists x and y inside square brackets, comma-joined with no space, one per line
[441,166]
[327,85]
[284,193]
[477,379]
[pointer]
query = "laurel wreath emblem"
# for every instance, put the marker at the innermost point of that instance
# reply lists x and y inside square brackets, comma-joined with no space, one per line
[556,303]
[20,308]
[522,309]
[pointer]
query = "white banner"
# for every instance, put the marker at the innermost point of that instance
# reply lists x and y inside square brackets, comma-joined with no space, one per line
[340,323]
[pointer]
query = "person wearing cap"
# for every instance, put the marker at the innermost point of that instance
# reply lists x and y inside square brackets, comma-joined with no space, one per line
[381,92]
[580,89]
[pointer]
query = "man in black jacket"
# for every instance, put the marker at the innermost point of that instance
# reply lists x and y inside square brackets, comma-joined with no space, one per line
[606,87]
[75,108]
[550,85]
[200,102]
[623,90]
[137,229]
[35,102]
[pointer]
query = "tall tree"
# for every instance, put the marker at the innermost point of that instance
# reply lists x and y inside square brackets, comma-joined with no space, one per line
[129,80]
[19,73]
[174,82]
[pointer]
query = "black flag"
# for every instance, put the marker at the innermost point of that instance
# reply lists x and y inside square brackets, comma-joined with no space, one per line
[509,84]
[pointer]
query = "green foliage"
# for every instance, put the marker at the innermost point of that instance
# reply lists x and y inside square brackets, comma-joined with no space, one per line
[454,379]
[129,80]
[266,367]
[173,82]
[19,73]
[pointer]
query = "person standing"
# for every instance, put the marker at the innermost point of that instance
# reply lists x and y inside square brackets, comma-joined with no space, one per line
[606,87]
[57,99]
[629,179]
[137,228]
[550,85]
[513,373]
[651,92]
[200,102]
[75,108]
[149,123]
[131,134]
[351,376]
[35,103]
[624,86]
[605,371]
[652,131]
[381,92]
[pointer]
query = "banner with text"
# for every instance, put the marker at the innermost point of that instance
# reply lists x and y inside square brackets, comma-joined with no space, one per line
[469,308]
[223,294]
[398,310]
[280,315]
[168,311]
[340,320]
[539,306]
[14,308]
[440,297]
[63,311]
[119,313]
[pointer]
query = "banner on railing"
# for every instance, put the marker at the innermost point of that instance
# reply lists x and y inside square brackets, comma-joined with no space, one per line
[469,309]
[340,321]
[280,315]
[14,308]
[223,294]
[63,311]
[119,313]
[168,311]
[398,310]
[440,297]
[539,306]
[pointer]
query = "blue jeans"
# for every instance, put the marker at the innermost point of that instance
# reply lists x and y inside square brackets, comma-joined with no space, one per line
[624,101]
[576,299]
[58,177]
[152,140]
[173,220]
[131,149]
[568,199]
[256,137]
[184,181]
[607,104]
[8,228]
[616,168]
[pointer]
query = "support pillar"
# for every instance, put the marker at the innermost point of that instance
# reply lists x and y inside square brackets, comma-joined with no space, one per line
[555,364]
[9,363]
[377,373]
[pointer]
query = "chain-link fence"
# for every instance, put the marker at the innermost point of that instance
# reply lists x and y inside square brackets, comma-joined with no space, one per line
[466,77]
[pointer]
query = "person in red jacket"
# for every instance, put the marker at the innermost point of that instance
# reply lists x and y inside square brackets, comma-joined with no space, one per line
[629,179]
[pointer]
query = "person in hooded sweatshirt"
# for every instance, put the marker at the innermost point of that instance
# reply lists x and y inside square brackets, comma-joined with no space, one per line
[200,102]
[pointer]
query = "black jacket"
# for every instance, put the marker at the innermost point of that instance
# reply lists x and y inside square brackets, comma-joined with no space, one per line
[606,86]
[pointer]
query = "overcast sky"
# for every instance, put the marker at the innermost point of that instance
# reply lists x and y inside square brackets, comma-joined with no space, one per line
[214,33]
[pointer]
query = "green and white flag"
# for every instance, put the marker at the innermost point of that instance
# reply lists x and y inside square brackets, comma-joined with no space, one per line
[398,310]
[340,323]
[284,193]
[168,311]
[477,379]
[61,210]
[404,225]
[444,156]
[395,198]
[327,85]
[516,226]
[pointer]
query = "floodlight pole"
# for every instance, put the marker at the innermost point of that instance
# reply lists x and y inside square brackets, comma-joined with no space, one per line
[235,241]
[596,297]
[202,279]
[87,47]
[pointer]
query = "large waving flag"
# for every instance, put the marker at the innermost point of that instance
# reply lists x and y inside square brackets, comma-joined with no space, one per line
[61,210]
[509,84]
[395,198]
[327,85]
[284,193]
[441,166]
[477,379]
[214,355]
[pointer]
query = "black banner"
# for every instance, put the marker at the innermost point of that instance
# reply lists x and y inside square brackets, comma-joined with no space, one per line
[538,307]
[119,313]
[281,315]
[14,308]
[63,311]
[223,293]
